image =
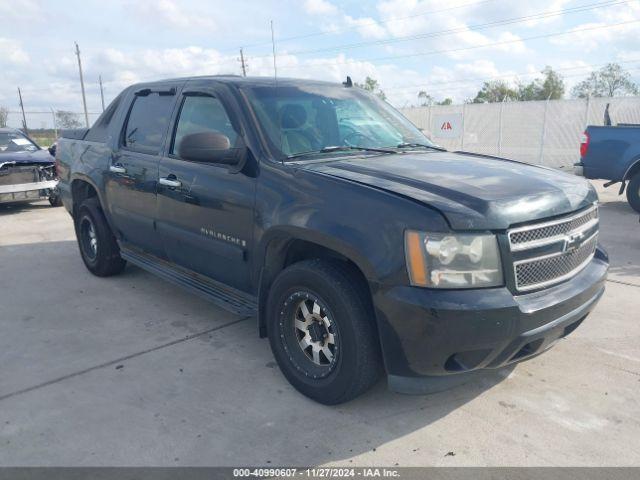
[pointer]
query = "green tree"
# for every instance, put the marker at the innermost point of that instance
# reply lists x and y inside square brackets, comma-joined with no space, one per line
[372,85]
[426,99]
[609,81]
[550,86]
[4,114]
[65,119]
[494,91]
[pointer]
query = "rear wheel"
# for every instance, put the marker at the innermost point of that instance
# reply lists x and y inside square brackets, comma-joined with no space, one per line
[322,331]
[98,246]
[633,192]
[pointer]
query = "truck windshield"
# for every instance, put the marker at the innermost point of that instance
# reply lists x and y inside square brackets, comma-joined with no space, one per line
[15,142]
[317,118]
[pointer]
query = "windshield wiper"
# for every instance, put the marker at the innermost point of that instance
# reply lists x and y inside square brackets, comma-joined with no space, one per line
[420,145]
[342,148]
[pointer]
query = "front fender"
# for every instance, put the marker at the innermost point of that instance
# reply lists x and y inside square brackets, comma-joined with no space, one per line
[340,244]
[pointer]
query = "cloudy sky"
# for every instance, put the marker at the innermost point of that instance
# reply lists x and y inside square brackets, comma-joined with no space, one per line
[446,48]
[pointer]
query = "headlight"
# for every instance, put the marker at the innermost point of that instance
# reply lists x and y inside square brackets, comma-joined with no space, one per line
[445,260]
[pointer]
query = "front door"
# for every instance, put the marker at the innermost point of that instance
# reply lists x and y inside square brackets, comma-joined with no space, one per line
[205,211]
[131,183]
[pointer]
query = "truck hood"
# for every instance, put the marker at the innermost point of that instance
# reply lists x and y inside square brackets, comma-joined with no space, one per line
[40,157]
[472,192]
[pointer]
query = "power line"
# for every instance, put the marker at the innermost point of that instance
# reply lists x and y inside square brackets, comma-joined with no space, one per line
[482,26]
[461,49]
[374,22]
[225,62]
[437,52]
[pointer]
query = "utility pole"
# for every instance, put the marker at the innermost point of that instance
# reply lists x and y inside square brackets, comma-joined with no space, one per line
[84,98]
[273,49]
[24,118]
[244,68]
[101,91]
[55,123]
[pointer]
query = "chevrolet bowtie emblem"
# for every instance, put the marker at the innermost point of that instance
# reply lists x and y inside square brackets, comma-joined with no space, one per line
[572,242]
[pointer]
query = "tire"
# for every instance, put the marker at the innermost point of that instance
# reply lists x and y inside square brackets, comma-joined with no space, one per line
[98,247]
[55,200]
[338,319]
[633,192]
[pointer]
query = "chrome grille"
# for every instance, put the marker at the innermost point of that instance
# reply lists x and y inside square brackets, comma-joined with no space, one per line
[554,269]
[549,232]
[572,240]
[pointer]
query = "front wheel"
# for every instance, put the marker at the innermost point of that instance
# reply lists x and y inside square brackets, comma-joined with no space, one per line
[633,192]
[322,331]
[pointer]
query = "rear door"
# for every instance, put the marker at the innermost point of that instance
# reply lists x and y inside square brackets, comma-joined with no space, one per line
[205,211]
[131,184]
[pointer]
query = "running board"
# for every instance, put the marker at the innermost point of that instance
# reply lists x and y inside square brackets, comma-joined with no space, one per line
[222,295]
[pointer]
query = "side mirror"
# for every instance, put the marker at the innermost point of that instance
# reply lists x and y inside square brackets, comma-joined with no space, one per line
[52,150]
[211,147]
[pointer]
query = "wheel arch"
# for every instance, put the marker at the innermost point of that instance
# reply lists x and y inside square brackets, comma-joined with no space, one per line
[283,247]
[633,169]
[83,187]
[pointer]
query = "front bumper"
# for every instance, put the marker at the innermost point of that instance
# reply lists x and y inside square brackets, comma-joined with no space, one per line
[439,333]
[26,191]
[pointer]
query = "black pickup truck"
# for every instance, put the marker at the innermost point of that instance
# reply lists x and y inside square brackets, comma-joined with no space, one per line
[358,245]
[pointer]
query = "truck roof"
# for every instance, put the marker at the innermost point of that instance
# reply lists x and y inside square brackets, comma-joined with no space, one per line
[238,80]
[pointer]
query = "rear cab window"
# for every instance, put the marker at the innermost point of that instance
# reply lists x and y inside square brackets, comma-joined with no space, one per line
[100,129]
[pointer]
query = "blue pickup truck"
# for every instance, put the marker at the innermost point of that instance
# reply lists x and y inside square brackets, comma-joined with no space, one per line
[613,153]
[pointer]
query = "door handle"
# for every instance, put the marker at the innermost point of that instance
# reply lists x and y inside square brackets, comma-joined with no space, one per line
[117,168]
[170,181]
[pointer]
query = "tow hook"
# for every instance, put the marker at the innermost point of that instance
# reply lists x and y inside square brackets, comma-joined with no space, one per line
[622,187]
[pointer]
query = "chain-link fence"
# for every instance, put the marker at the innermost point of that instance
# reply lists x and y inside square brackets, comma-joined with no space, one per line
[43,125]
[543,132]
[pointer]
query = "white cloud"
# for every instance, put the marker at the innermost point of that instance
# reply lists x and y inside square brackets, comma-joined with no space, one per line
[174,15]
[20,10]
[320,7]
[459,82]
[367,27]
[594,35]
[12,52]
[511,43]
[135,40]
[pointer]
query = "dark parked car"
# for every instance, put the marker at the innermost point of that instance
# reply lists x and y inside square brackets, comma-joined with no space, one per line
[357,249]
[613,153]
[27,172]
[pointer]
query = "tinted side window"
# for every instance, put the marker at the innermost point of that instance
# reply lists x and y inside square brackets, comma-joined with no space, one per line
[202,114]
[147,123]
[99,130]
